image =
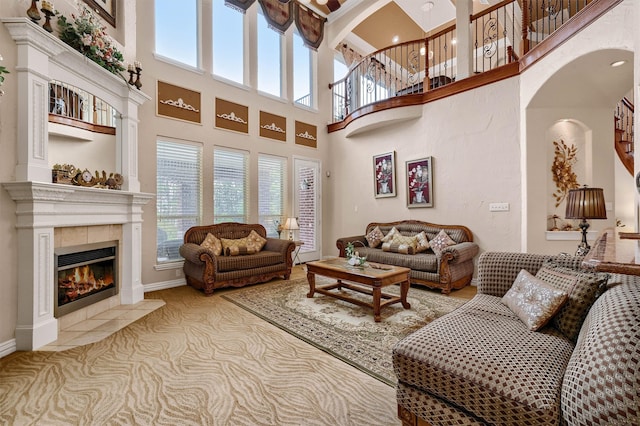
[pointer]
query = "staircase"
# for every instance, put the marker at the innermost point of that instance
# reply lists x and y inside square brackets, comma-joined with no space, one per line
[623,140]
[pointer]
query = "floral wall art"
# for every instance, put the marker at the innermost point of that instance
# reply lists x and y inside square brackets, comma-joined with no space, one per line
[384,173]
[419,175]
[562,170]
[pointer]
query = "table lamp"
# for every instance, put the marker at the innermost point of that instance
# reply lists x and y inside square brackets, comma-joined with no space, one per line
[291,225]
[585,203]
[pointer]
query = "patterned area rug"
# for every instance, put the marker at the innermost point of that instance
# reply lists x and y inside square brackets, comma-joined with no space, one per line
[344,330]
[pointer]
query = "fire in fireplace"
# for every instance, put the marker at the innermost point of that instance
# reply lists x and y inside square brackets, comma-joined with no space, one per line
[85,275]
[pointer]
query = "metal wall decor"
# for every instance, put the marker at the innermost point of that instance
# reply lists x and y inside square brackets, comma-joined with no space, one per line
[178,103]
[232,116]
[273,126]
[306,134]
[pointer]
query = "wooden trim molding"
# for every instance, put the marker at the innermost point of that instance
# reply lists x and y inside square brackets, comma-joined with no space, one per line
[73,122]
[589,14]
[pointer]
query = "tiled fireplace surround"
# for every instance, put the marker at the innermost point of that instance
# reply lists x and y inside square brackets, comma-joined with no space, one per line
[52,215]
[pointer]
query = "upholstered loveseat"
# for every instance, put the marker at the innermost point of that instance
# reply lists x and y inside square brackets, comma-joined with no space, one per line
[234,266]
[481,364]
[451,268]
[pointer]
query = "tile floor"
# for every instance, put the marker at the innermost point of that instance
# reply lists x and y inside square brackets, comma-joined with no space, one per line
[102,325]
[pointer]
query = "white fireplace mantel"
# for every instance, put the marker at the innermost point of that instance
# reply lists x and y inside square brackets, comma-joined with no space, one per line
[42,206]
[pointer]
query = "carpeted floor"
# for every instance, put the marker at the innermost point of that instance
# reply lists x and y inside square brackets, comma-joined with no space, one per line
[196,361]
[342,329]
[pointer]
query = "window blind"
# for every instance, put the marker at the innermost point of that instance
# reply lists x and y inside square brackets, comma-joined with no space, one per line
[230,186]
[271,196]
[178,195]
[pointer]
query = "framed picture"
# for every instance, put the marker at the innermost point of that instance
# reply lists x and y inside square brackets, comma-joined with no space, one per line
[384,175]
[419,175]
[105,8]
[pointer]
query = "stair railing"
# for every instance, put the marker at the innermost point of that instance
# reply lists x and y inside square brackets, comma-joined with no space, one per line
[623,118]
[496,35]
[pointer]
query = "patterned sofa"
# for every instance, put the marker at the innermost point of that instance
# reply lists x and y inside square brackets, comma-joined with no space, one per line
[453,269]
[481,365]
[207,271]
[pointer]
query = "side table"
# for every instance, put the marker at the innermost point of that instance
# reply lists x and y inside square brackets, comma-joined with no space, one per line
[297,251]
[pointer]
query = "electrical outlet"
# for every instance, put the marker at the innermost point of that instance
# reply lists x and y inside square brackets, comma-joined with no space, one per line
[498,207]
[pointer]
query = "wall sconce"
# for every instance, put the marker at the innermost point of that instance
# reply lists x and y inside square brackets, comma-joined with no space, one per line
[585,203]
[291,225]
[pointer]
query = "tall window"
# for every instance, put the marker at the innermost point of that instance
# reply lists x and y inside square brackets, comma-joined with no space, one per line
[177,30]
[269,58]
[178,195]
[271,173]
[228,42]
[230,186]
[302,72]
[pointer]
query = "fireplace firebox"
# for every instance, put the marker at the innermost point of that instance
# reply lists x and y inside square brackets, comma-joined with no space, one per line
[85,275]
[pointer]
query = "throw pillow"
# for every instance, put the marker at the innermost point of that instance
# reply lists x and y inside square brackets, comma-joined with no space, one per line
[441,242]
[256,240]
[387,238]
[374,238]
[423,242]
[212,243]
[533,301]
[583,289]
[398,248]
[239,250]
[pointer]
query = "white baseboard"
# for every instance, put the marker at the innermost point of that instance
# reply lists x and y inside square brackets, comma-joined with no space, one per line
[7,347]
[164,285]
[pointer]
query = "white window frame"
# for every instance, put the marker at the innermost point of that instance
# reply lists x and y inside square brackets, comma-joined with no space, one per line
[273,219]
[244,155]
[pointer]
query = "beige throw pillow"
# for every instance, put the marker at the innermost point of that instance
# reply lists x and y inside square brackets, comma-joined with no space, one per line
[374,238]
[212,243]
[250,244]
[583,289]
[441,242]
[423,242]
[534,301]
[401,244]
[387,238]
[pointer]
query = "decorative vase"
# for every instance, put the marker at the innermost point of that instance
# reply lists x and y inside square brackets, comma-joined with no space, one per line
[384,187]
[419,196]
[33,12]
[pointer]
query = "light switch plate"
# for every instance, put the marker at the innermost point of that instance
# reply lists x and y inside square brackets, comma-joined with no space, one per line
[498,207]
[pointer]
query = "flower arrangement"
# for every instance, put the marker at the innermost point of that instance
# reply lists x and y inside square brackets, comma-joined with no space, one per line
[353,257]
[383,171]
[417,179]
[87,36]
[562,171]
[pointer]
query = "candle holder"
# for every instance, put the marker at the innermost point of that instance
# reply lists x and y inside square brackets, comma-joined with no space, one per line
[47,22]
[137,71]
[33,13]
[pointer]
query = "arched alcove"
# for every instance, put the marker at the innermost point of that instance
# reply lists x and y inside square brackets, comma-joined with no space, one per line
[575,104]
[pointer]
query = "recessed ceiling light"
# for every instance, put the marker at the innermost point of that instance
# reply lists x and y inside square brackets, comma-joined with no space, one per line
[395,39]
[427,6]
[618,63]
[321,2]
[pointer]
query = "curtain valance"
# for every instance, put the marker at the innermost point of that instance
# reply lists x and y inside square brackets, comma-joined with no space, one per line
[239,5]
[279,15]
[310,25]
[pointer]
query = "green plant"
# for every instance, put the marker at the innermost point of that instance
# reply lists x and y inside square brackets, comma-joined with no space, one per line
[353,257]
[87,36]
[3,70]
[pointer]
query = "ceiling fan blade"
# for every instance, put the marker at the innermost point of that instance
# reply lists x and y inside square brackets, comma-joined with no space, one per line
[333,5]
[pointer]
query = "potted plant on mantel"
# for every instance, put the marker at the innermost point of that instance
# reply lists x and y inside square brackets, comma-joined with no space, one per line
[87,36]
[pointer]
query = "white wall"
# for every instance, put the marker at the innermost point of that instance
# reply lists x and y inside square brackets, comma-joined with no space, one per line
[473,139]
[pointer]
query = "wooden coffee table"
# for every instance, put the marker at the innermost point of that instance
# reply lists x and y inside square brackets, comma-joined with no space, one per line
[368,280]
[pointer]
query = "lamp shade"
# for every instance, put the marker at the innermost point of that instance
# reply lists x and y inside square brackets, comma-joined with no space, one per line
[291,224]
[586,203]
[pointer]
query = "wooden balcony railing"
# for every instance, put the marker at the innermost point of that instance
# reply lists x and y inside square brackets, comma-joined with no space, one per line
[623,118]
[500,35]
[75,107]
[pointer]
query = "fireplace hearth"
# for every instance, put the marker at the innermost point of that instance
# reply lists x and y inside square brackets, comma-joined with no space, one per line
[85,275]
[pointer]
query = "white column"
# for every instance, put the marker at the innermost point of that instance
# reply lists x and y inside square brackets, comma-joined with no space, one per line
[464,47]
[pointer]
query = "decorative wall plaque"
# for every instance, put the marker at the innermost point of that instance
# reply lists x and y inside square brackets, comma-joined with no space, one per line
[232,116]
[273,126]
[306,134]
[178,102]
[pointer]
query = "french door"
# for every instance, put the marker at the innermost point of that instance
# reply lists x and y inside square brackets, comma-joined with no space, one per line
[307,207]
